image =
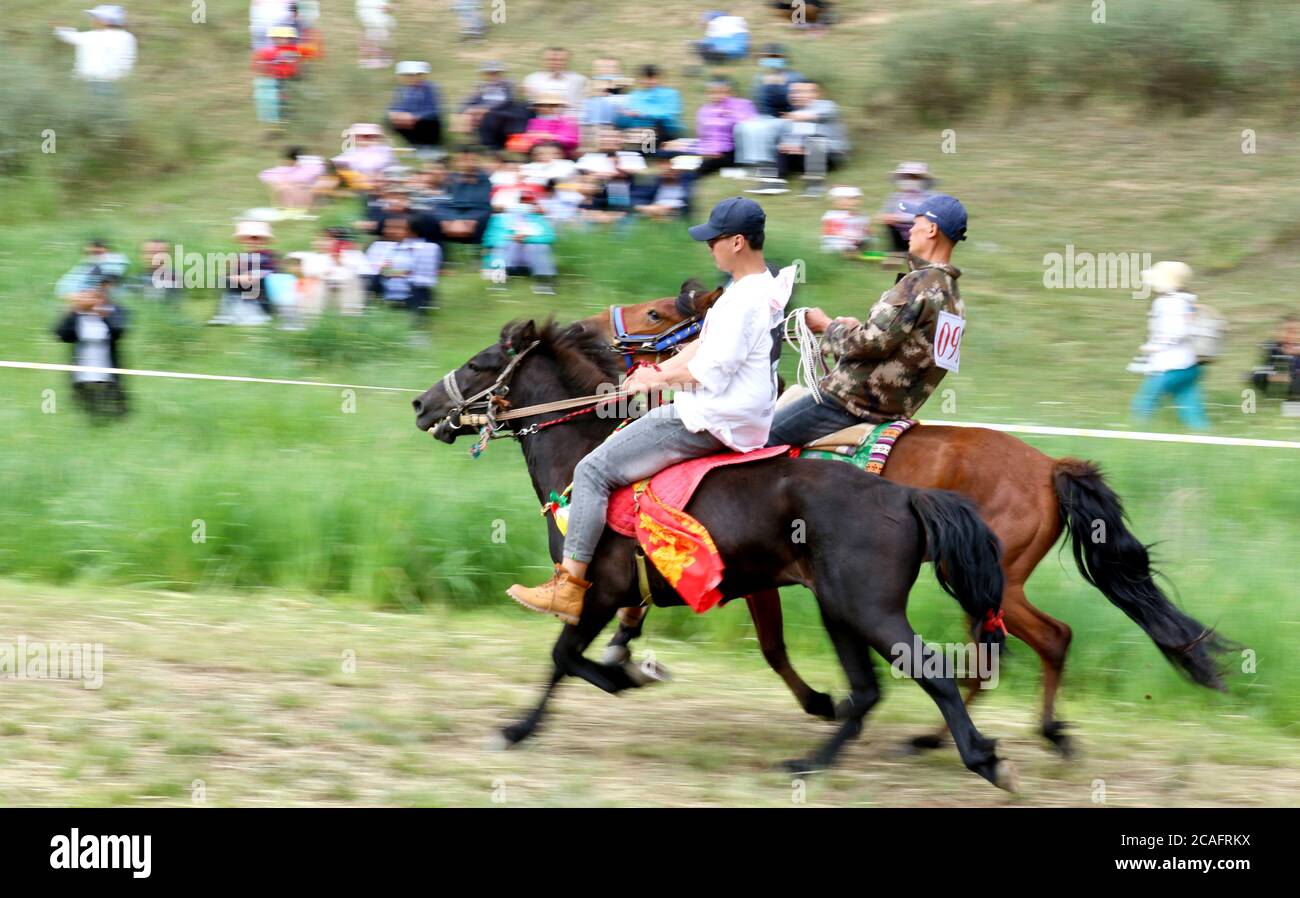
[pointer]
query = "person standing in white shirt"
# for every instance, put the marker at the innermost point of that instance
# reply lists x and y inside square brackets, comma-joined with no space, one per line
[556,78]
[106,54]
[725,398]
[1172,367]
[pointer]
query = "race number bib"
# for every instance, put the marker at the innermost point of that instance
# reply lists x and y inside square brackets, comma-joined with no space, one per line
[947,341]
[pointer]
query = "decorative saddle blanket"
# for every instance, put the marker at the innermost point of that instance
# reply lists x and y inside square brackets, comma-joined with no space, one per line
[865,446]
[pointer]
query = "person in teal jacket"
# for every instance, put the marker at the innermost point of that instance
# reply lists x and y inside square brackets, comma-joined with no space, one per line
[652,105]
[519,241]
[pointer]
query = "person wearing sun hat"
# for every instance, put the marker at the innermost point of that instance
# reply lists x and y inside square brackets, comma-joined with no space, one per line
[362,165]
[275,66]
[416,108]
[1172,368]
[106,54]
[912,183]
[887,366]
[243,299]
[551,124]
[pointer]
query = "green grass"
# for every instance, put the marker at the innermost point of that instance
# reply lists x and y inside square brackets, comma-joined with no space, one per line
[298,496]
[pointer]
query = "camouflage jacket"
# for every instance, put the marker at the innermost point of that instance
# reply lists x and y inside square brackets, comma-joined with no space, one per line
[885,367]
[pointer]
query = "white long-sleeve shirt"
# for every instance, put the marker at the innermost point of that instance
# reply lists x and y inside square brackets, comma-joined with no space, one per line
[735,397]
[105,54]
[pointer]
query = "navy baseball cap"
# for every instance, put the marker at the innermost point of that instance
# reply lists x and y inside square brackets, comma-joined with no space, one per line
[734,215]
[944,210]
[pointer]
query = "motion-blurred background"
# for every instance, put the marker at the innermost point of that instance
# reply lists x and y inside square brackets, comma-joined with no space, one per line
[229,543]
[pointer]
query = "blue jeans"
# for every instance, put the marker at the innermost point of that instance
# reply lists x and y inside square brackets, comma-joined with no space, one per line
[536,257]
[645,447]
[803,421]
[1183,386]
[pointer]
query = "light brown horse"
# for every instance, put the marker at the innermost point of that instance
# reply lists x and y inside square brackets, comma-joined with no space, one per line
[1026,497]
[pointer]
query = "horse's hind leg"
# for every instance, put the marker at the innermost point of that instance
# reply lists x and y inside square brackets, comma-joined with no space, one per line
[630,623]
[1050,638]
[855,656]
[769,627]
[892,634]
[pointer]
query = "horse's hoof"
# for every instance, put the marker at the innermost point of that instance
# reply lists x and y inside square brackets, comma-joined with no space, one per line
[510,736]
[821,705]
[1062,744]
[646,672]
[1005,776]
[801,766]
[926,742]
[616,654]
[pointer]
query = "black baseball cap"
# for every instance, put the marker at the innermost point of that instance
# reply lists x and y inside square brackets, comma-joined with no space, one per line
[734,215]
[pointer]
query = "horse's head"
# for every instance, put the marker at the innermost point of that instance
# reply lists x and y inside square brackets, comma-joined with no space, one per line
[660,315]
[438,409]
[530,363]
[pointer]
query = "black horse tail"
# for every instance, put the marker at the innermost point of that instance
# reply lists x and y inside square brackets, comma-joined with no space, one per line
[967,558]
[1112,559]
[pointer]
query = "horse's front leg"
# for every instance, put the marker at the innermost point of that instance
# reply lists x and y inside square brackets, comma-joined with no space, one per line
[520,730]
[568,660]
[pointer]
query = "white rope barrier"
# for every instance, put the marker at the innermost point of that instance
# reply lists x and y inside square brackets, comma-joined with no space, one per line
[1041,430]
[181,375]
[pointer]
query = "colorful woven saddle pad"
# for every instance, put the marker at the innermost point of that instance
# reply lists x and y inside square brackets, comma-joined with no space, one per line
[871,453]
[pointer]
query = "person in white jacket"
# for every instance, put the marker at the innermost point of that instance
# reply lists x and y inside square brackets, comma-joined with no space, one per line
[725,396]
[106,54]
[1171,364]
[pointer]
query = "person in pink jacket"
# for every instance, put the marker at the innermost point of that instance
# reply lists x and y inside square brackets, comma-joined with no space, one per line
[553,124]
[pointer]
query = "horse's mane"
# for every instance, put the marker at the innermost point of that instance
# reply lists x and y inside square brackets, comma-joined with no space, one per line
[585,361]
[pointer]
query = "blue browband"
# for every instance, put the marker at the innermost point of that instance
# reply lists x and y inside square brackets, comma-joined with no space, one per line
[650,342]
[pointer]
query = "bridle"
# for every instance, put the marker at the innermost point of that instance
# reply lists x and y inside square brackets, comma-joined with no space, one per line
[485,409]
[482,405]
[629,345]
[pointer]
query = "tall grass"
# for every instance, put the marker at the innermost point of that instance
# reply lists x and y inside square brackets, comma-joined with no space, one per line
[1181,56]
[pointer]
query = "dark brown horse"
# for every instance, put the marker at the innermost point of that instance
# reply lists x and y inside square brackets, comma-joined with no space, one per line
[861,576]
[1028,499]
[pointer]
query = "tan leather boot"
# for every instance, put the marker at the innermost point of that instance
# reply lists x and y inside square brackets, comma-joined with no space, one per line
[561,595]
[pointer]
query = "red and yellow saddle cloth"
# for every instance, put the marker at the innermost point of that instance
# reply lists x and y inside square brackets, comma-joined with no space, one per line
[678,545]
